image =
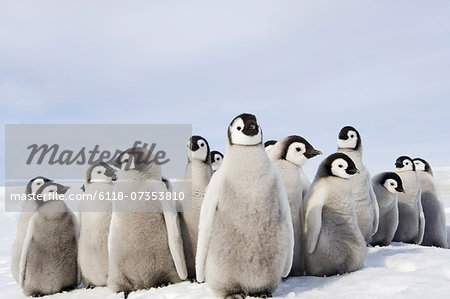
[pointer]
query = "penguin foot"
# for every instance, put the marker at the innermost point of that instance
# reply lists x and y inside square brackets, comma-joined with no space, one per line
[264,294]
[125,294]
[235,296]
[37,294]
[90,286]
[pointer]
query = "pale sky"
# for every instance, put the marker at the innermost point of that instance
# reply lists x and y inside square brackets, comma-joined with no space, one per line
[302,67]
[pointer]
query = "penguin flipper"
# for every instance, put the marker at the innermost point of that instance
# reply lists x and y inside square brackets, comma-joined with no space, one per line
[76,233]
[207,212]
[286,217]
[377,209]
[421,223]
[315,199]
[25,246]
[174,237]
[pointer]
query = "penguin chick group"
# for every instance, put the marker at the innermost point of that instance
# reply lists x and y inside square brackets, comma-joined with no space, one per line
[253,218]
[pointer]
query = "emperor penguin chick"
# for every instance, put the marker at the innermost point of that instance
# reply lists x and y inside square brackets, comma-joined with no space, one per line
[411,220]
[29,206]
[245,242]
[95,218]
[48,263]
[289,154]
[366,207]
[334,243]
[216,160]
[386,186]
[435,233]
[144,242]
[198,171]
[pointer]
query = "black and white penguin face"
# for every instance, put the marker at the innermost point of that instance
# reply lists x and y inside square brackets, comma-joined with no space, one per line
[101,173]
[422,165]
[216,160]
[197,149]
[404,163]
[392,186]
[298,150]
[269,144]
[296,153]
[339,165]
[341,168]
[349,138]
[36,183]
[51,190]
[244,130]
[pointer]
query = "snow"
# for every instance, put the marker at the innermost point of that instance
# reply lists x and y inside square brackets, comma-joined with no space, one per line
[399,270]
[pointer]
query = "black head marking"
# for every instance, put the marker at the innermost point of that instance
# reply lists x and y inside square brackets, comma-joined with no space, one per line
[109,171]
[251,127]
[325,166]
[343,135]
[392,175]
[427,165]
[399,162]
[269,142]
[214,154]
[194,145]
[60,189]
[140,155]
[28,187]
[310,151]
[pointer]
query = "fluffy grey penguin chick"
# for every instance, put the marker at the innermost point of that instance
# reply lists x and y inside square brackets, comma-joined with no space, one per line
[245,242]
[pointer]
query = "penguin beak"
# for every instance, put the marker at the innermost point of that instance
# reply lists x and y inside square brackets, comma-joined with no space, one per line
[398,165]
[312,154]
[400,189]
[114,178]
[193,146]
[251,128]
[343,136]
[352,171]
[64,189]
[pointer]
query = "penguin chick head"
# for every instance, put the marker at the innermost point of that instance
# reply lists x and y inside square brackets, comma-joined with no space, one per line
[216,159]
[422,165]
[338,165]
[269,144]
[137,161]
[349,138]
[100,173]
[198,149]
[244,130]
[35,183]
[50,190]
[297,150]
[404,163]
[392,182]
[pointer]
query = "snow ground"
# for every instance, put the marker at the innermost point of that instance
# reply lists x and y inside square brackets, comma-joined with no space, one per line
[399,270]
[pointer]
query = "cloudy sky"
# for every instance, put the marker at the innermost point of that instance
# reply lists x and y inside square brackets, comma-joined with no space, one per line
[302,67]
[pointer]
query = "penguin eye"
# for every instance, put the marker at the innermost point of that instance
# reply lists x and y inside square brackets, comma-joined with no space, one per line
[217,159]
[99,172]
[340,166]
[38,184]
[298,149]
[351,136]
[238,128]
[202,144]
[392,184]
